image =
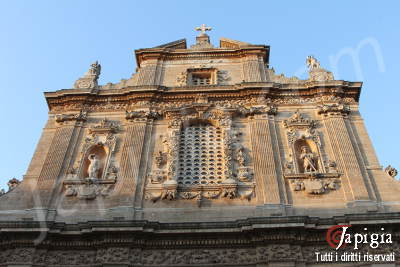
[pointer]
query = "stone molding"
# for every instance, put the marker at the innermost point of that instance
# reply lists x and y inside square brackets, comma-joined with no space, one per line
[148,243]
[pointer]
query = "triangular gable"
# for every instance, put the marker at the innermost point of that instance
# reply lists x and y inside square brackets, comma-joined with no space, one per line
[178,44]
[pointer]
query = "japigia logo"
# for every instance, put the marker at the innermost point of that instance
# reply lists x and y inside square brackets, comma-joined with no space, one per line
[338,236]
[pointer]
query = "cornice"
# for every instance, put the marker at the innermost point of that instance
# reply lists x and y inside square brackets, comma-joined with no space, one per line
[179,54]
[132,94]
[265,223]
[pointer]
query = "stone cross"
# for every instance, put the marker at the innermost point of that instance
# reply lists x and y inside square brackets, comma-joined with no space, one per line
[203,28]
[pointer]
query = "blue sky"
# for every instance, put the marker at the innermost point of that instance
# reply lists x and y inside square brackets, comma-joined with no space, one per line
[47,45]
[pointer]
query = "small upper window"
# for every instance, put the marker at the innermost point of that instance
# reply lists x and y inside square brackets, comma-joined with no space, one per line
[201,79]
[203,76]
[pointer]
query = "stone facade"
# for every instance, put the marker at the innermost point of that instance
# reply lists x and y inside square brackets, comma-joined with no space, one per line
[204,157]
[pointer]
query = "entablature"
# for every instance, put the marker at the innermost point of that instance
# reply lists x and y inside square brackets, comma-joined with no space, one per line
[311,92]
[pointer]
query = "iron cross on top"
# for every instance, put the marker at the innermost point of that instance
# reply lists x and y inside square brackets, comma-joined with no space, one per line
[203,28]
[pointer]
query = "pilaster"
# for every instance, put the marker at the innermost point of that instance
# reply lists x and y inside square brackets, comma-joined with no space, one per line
[354,185]
[265,175]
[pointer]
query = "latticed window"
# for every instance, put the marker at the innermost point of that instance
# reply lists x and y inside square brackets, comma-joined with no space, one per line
[201,159]
[201,79]
[202,76]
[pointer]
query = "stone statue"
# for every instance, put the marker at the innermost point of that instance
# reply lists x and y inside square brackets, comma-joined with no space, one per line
[89,80]
[95,69]
[94,166]
[312,63]
[13,183]
[391,171]
[316,73]
[309,162]
[241,158]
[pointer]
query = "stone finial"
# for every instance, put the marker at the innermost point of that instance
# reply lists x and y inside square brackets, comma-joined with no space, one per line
[202,40]
[89,80]
[203,28]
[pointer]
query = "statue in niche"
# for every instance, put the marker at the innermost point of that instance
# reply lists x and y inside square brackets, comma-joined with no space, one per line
[309,162]
[94,166]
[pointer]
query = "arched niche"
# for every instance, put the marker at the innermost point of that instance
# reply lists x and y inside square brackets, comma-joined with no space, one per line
[298,146]
[101,153]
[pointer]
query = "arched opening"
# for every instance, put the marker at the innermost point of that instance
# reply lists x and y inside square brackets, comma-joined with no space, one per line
[100,152]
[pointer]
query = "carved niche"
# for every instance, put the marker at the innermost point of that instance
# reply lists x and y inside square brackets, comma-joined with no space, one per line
[201,158]
[305,167]
[94,173]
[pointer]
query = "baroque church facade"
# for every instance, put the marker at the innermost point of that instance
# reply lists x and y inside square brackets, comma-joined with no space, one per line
[204,157]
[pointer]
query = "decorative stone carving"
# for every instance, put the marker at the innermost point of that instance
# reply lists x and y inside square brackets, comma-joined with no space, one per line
[281,78]
[331,166]
[104,126]
[157,177]
[314,185]
[94,173]
[304,166]
[89,80]
[240,157]
[63,118]
[197,131]
[244,174]
[141,115]
[316,73]
[259,109]
[169,190]
[333,109]
[298,121]
[159,158]
[181,79]
[391,171]
[222,77]
[13,183]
